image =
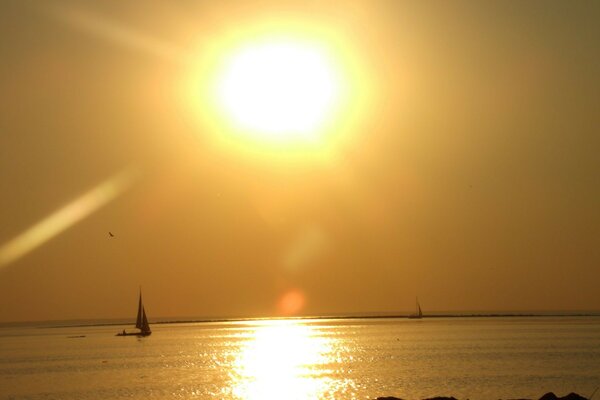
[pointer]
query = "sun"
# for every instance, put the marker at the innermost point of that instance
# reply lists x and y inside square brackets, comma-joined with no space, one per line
[278,90]
[284,90]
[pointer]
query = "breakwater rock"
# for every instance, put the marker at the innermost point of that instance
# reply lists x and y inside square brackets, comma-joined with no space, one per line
[570,396]
[547,396]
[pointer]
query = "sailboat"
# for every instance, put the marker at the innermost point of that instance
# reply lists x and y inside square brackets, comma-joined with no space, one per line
[141,322]
[418,314]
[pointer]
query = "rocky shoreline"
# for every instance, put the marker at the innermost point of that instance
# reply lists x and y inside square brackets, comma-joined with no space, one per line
[547,396]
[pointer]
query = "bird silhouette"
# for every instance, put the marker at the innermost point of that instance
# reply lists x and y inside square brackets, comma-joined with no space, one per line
[111,234]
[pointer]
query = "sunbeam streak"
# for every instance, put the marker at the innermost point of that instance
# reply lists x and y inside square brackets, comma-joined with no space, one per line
[67,216]
[96,25]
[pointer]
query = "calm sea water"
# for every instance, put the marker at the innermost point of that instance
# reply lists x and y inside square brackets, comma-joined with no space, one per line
[475,358]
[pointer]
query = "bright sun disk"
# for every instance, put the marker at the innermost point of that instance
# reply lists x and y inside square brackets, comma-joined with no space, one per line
[278,90]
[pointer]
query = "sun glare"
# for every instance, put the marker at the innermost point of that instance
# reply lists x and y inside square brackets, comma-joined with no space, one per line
[289,89]
[278,90]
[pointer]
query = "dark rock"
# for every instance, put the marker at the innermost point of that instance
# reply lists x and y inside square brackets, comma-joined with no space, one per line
[570,396]
[549,396]
[441,398]
[573,396]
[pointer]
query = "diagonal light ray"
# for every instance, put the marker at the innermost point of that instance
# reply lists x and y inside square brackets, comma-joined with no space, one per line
[67,216]
[123,35]
[100,195]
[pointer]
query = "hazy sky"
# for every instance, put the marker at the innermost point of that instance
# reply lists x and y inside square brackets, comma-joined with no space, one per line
[472,179]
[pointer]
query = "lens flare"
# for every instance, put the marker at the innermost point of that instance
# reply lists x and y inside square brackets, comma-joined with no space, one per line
[310,242]
[292,302]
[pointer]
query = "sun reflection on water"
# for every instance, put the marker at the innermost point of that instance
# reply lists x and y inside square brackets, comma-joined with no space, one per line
[280,360]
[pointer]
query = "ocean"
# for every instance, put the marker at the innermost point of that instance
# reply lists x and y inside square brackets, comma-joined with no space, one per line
[477,358]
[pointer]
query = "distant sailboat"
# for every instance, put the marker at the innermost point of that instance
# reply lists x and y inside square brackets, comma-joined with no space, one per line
[141,322]
[418,314]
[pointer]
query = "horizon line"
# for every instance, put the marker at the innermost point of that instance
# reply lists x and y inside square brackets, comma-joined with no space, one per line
[84,322]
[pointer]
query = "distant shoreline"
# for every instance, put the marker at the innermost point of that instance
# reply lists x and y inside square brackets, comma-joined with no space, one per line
[117,322]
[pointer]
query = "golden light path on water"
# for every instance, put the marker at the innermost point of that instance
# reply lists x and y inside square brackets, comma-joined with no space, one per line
[279,360]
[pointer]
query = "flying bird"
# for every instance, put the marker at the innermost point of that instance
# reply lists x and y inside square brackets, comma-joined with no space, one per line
[111,234]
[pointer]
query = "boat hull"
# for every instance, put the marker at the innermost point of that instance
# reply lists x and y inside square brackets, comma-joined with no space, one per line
[126,334]
[139,334]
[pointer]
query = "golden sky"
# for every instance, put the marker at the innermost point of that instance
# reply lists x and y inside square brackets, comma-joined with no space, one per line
[455,159]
